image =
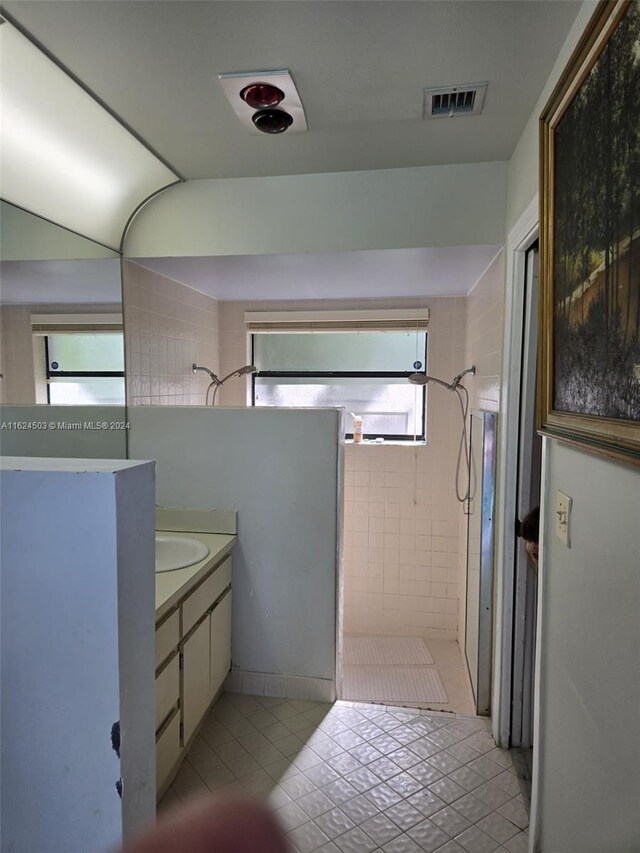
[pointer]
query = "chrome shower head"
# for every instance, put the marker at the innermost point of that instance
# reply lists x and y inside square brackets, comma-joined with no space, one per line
[195,367]
[424,379]
[248,368]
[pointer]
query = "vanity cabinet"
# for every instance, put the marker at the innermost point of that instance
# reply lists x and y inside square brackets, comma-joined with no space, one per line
[193,657]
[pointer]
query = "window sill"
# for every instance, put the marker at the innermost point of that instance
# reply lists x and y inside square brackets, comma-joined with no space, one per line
[372,443]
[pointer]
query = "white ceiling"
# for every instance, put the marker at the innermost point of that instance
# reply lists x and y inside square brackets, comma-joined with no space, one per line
[339,275]
[359,66]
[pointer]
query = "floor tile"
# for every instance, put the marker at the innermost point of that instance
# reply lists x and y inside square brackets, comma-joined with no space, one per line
[344,764]
[307,837]
[468,779]
[426,802]
[518,844]
[426,774]
[404,815]
[427,835]
[381,829]
[291,816]
[492,794]
[297,786]
[339,791]
[515,811]
[359,809]
[450,821]
[498,827]
[404,784]
[363,779]
[447,790]
[472,808]
[315,803]
[385,768]
[355,841]
[335,822]
[474,840]
[357,778]
[321,775]
[402,844]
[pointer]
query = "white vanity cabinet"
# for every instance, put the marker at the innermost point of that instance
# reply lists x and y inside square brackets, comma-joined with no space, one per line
[193,657]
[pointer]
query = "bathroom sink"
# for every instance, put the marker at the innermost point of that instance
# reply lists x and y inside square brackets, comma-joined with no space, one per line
[177,552]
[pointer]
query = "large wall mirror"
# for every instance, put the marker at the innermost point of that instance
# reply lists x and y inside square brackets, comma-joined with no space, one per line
[61,340]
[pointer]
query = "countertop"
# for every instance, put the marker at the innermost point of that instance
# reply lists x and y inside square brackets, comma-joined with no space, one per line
[172,586]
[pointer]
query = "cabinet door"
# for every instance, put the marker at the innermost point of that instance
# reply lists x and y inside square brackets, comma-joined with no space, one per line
[196,692]
[220,643]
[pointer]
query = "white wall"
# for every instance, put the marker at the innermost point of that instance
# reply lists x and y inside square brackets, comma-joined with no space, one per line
[280,469]
[168,327]
[589,775]
[588,785]
[401,516]
[77,651]
[523,165]
[462,204]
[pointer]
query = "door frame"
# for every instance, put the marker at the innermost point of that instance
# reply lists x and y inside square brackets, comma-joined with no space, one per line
[520,238]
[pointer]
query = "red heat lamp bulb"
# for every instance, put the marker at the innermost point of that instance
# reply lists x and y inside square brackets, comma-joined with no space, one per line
[261,96]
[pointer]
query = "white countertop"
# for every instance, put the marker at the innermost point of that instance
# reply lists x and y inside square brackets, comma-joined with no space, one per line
[172,586]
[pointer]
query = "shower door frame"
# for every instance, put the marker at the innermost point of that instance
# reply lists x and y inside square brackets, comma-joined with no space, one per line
[487,508]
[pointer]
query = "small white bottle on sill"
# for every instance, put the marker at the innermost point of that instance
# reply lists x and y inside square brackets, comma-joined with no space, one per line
[357,429]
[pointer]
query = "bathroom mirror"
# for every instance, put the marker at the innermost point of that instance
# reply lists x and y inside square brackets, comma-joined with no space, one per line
[61,331]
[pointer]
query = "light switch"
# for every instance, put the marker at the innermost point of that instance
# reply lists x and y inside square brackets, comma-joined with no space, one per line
[563,517]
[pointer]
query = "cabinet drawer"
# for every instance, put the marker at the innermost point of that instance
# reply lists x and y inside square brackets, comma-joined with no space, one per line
[167,637]
[167,690]
[167,750]
[201,599]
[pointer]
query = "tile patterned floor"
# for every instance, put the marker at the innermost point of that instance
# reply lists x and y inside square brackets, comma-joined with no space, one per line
[358,778]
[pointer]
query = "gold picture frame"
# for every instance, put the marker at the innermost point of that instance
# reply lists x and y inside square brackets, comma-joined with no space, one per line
[589,340]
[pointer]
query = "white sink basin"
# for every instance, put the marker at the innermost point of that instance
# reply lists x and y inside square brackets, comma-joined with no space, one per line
[177,552]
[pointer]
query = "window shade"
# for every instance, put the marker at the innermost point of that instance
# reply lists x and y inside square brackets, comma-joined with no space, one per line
[383,320]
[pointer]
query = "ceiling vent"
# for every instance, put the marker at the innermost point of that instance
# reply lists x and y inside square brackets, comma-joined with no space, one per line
[453,101]
[265,101]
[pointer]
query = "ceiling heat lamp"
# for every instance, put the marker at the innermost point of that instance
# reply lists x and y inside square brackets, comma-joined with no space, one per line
[265,102]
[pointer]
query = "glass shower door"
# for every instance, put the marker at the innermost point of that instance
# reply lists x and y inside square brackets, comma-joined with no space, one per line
[482,462]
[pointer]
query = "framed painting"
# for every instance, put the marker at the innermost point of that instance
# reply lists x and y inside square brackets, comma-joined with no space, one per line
[589,346]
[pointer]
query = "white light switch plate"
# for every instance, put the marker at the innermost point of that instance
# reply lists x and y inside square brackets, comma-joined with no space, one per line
[563,517]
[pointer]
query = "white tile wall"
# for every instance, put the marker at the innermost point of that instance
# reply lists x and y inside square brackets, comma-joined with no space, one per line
[168,326]
[401,541]
[16,356]
[483,335]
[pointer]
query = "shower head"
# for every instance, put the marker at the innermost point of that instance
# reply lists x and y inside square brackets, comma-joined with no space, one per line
[248,368]
[195,368]
[241,371]
[424,379]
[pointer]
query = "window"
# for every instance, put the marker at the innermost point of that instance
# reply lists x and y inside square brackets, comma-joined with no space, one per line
[85,368]
[364,371]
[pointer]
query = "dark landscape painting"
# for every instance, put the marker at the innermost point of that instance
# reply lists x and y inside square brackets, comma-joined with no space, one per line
[596,257]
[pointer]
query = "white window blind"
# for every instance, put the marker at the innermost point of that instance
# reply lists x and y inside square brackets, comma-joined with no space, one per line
[380,320]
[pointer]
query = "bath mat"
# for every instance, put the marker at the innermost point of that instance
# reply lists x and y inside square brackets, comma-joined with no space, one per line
[393,684]
[385,651]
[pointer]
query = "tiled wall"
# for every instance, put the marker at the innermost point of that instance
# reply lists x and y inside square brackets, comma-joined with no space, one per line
[168,326]
[483,334]
[16,356]
[401,548]
[485,312]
